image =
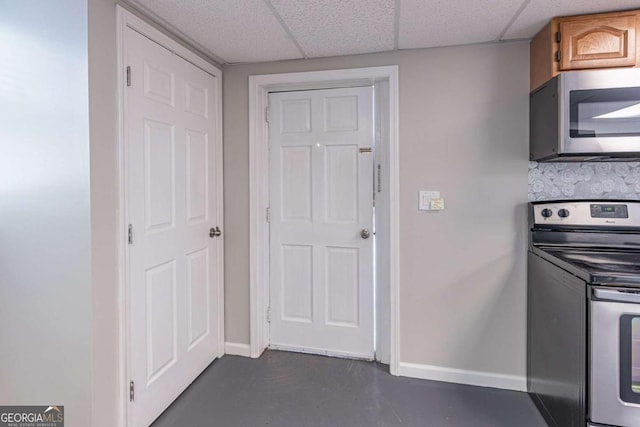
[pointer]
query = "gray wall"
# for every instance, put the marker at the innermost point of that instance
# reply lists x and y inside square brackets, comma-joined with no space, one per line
[45,242]
[104,213]
[463,131]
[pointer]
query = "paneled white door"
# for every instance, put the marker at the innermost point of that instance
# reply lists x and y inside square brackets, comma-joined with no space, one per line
[173,265]
[321,209]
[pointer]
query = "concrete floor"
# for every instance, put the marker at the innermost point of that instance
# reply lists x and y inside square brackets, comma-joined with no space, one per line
[297,390]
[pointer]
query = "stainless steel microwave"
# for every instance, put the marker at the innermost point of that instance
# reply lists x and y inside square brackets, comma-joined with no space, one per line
[586,116]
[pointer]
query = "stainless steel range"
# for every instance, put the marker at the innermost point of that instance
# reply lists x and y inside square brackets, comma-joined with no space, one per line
[583,312]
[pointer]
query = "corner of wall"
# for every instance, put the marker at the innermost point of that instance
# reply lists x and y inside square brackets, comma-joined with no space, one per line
[106,370]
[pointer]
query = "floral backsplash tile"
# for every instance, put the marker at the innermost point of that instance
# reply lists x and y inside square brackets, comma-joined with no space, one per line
[612,180]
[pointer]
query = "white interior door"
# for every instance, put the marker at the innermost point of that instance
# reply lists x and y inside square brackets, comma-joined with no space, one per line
[173,200]
[321,199]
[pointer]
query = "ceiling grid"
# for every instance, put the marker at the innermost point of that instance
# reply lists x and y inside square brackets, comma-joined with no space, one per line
[524,5]
[239,31]
[285,27]
[339,27]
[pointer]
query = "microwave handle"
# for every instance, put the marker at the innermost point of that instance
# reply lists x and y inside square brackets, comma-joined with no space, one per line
[617,296]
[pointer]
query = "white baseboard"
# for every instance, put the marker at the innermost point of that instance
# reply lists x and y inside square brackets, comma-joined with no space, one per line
[461,376]
[237,349]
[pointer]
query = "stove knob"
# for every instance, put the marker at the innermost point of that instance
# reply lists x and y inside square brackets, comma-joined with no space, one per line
[563,213]
[546,213]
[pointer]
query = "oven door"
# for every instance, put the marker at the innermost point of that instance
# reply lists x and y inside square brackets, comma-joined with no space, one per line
[615,358]
[601,111]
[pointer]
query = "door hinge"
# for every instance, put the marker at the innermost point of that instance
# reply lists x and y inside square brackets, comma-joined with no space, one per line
[268,314]
[558,37]
[130,234]
[379,178]
[266,114]
[132,391]
[268,215]
[128,75]
[558,56]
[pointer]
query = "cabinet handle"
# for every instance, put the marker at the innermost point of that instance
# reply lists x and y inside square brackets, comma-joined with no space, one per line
[617,296]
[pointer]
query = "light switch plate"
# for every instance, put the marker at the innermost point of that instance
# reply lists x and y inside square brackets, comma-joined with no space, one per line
[425,199]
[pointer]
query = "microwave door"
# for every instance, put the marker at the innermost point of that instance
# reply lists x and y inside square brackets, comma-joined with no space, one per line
[602,120]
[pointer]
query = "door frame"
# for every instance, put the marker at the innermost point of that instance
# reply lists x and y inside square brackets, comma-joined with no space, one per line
[259,170]
[124,20]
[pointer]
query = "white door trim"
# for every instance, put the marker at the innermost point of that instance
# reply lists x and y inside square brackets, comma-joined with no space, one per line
[259,88]
[127,19]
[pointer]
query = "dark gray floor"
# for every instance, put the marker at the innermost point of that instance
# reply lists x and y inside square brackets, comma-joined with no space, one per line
[297,390]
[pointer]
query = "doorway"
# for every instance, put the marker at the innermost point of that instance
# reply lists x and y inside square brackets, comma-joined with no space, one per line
[171,198]
[321,155]
[383,178]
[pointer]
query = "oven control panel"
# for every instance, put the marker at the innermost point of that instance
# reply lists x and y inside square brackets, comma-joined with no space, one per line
[600,210]
[587,213]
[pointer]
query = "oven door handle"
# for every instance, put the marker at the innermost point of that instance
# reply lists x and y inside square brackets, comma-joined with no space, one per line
[617,296]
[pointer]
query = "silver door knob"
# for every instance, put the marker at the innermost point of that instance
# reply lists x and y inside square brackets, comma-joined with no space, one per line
[365,234]
[215,232]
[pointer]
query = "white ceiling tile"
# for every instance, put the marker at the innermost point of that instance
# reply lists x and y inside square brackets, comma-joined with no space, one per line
[539,12]
[234,30]
[339,27]
[428,23]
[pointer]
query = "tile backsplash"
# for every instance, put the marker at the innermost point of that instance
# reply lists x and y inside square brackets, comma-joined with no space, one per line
[611,180]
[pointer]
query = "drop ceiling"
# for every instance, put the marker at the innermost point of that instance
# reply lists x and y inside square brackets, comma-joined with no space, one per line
[235,31]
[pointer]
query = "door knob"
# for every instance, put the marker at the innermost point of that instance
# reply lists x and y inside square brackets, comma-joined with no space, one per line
[215,232]
[365,234]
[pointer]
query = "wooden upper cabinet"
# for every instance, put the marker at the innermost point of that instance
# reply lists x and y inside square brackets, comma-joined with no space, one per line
[581,42]
[598,42]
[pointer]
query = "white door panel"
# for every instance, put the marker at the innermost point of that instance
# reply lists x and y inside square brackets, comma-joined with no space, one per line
[172,203]
[321,192]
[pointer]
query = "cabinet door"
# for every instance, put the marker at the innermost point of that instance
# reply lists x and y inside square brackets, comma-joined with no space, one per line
[598,42]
